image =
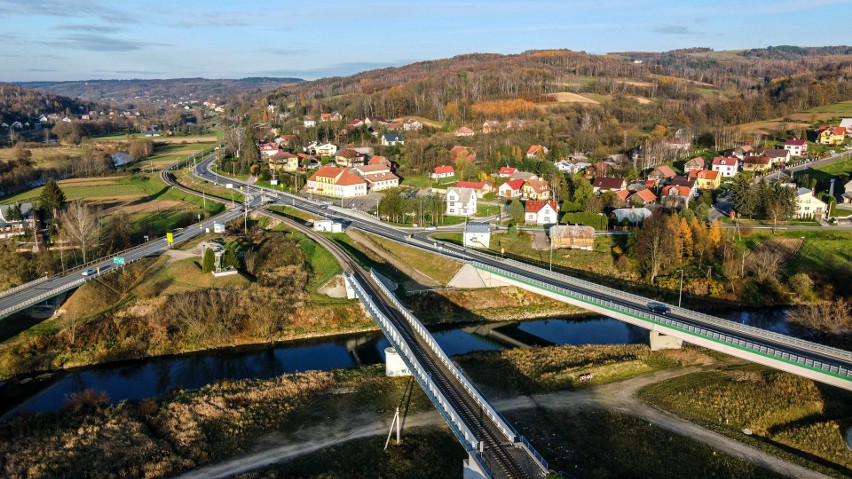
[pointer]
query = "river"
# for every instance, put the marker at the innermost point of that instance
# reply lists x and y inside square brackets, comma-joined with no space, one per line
[154,377]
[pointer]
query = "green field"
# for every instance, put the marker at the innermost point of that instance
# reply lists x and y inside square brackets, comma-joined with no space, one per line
[837,168]
[105,187]
[843,108]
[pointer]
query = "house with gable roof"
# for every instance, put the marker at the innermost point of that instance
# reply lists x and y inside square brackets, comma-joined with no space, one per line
[694,164]
[540,212]
[726,166]
[461,202]
[446,171]
[336,182]
[796,147]
[537,152]
[511,189]
[536,189]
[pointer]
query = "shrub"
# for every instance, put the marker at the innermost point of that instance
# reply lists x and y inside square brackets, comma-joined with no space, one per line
[86,399]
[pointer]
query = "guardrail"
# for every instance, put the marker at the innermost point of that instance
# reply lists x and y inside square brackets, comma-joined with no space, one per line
[24,286]
[762,349]
[37,299]
[460,429]
[507,430]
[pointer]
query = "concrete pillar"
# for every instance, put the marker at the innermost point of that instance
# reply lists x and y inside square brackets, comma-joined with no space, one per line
[350,292]
[471,469]
[394,365]
[661,341]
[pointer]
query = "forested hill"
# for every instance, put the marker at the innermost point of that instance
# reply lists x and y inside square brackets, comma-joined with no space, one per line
[22,104]
[124,93]
[696,87]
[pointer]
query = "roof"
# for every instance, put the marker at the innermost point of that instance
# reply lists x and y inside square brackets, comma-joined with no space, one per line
[382,176]
[535,149]
[572,231]
[697,161]
[370,169]
[838,130]
[537,185]
[507,170]
[804,191]
[464,129]
[536,206]
[348,179]
[725,161]
[683,181]
[348,153]
[683,191]
[26,209]
[464,193]
[757,160]
[632,214]
[607,183]
[514,184]
[476,185]
[378,160]
[478,227]
[443,169]
[795,142]
[776,152]
[707,174]
[666,171]
[646,195]
[623,194]
[393,137]
[326,171]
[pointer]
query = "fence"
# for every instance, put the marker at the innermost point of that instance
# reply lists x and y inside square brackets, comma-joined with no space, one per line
[507,430]
[24,286]
[37,299]
[460,429]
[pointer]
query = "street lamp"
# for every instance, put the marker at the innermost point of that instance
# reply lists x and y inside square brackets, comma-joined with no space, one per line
[551,252]
[680,293]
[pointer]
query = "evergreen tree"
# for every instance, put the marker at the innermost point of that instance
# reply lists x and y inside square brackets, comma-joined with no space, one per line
[208,264]
[229,259]
[52,198]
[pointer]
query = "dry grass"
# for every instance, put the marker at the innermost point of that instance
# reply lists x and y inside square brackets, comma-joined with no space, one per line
[436,267]
[568,97]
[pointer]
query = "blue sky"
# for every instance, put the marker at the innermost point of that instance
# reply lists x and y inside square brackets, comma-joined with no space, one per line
[99,39]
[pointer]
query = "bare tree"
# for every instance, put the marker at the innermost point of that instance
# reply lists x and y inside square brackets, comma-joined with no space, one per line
[656,244]
[833,317]
[765,264]
[81,226]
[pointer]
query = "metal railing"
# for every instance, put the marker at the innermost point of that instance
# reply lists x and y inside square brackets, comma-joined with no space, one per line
[507,430]
[460,429]
[715,335]
[37,299]
[24,286]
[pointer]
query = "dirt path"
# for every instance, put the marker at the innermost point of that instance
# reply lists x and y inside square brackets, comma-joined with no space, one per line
[619,396]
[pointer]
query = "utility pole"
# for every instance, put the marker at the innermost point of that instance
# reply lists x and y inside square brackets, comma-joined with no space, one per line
[680,293]
[551,253]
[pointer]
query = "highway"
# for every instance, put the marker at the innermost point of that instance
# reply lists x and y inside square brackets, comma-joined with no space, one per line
[829,363]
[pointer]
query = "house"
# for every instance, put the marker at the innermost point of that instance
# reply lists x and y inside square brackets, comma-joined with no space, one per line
[662,174]
[394,125]
[642,198]
[622,196]
[777,155]
[336,182]
[796,147]
[462,152]
[283,161]
[356,123]
[522,175]
[846,197]
[515,124]
[540,212]
[536,189]
[268,149]
[320,149]
[349,158]
[618,160]
[537,152]
[378,177]
[676,195]
[831,135]
[757,163]
[477,234]
[603,184]
[706,179]
[463,131]
[694,164]
[379,160]
[286,140]
[378,120]
[490,126]
[685,181]
[391,139]
[572,236]
[412,125]
[597,169]
[334,116]
[506,172]
[511,189]
[309,122]
[725,165]
[445,171]
[461,202]
[808,205]
[8,220]
[481,188]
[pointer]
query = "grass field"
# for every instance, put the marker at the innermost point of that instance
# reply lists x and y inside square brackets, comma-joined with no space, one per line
[109,187]
[438,268]
[837,168]
[843,108]
[788,416]
[185,275]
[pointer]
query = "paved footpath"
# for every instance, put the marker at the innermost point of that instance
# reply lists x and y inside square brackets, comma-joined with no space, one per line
[620,396]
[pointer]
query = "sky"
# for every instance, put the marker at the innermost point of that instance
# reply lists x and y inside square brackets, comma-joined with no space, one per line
[54,40]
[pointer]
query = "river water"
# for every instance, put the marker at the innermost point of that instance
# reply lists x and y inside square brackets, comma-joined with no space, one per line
[153,377]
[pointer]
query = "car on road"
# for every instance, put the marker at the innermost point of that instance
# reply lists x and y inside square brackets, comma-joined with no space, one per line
[90,272]
[430,228]
[659,308]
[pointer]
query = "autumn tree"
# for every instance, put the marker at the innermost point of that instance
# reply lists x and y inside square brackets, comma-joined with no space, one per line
[81,227]
[516,211]
[685,236]
[656,244]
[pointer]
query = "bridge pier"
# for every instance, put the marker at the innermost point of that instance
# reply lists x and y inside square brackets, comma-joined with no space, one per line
[350,292]
[471,469]
[470,277]
[661,341]
[394,365]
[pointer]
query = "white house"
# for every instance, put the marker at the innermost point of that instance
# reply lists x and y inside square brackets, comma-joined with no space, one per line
[461,201]
[808,205]
[412,125]
[725,165]
[477,235]
[541,212]
[445,171]
[14,225]
[320,149]
[328,226]
[846,197]
[511,189]
[390,139]
[796,147]
[378,177]
[309,122]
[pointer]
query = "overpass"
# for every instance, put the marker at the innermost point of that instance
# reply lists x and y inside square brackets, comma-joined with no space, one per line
[805,358]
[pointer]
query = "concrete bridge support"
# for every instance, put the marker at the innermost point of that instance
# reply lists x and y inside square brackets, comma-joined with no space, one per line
[470,278]
[394,365]
[471,469]
[661,341]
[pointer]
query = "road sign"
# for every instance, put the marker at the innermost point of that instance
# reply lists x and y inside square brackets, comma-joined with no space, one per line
[273,182]
[170,238]
[229,185]
[118,260]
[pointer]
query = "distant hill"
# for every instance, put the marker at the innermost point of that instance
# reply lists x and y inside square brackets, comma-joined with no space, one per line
[126,93]
[23,104]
